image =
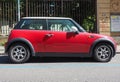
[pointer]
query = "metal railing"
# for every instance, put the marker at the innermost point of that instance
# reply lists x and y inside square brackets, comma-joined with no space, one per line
[8,16]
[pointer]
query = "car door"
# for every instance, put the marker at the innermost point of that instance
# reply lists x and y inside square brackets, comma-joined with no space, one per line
[61,38]
[34,30]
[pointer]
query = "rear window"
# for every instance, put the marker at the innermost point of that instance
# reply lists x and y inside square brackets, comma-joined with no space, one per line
[34,24]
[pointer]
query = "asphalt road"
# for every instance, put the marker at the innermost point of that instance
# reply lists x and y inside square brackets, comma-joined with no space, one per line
[60,70]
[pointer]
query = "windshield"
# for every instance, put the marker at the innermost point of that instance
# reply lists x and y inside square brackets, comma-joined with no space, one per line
[80,27]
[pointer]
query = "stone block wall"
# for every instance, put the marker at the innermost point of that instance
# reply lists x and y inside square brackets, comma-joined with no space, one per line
[103,16]
[106,8]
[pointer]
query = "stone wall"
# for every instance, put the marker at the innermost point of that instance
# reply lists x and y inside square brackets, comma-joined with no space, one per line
[115,10]
[105,8]
[115,6]
[103,16]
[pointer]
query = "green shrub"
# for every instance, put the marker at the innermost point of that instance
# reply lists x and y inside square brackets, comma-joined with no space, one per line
[89,23]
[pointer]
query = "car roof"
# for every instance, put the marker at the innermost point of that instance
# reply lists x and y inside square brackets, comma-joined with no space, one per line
[46,18]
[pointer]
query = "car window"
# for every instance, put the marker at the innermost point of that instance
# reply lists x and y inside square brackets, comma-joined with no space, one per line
[60,25]
[33,24]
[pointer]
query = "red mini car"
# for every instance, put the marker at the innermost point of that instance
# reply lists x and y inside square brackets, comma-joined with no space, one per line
[56,37]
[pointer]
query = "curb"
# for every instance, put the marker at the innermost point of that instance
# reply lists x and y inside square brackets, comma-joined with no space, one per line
[2,53]
[1,50]
[117,52]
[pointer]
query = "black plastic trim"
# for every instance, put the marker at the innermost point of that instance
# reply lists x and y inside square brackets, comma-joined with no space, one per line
[54,54]
[20,40]
[99,41]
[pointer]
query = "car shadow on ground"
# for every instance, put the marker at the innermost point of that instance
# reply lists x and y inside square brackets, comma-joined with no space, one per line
[5,60]
[59,59]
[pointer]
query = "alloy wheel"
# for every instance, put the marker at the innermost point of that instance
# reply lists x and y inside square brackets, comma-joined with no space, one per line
[103,52]
[18,53]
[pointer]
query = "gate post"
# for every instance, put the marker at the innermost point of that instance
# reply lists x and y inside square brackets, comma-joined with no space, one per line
[26,8]
[62,7]
[18,3]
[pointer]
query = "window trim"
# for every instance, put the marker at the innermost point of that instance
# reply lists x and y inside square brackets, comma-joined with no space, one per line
[19,24]
[80,29]
[64,31]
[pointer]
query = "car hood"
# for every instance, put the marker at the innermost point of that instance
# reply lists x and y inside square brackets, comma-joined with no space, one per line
[97,35]
[100,36]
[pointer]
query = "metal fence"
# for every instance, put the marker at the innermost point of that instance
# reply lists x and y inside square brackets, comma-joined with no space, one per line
[8,16]
[82,11]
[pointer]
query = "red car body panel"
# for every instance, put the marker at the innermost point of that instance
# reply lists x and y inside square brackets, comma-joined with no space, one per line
[66,42]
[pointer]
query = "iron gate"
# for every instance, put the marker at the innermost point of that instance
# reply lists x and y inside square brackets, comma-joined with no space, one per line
[8,16]
[82,11]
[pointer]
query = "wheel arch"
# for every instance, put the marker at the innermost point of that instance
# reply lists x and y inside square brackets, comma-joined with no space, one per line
[20,40]
[99,41]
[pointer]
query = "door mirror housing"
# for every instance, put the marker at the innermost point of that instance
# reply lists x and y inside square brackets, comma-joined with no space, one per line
[74,29]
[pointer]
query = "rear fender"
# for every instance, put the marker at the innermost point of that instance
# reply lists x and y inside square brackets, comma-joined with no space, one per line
[20,40]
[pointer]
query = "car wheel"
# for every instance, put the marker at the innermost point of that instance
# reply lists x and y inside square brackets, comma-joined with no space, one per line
[103,52]
[19,53]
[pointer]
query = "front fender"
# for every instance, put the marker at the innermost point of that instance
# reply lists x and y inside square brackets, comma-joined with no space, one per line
[102,40]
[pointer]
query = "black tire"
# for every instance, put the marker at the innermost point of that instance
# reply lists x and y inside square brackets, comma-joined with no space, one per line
[103,52]
[19,53]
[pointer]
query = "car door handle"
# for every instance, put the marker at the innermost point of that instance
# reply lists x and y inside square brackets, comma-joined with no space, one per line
[49,35]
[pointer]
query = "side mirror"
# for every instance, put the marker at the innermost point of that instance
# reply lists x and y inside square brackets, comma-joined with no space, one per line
[75,30]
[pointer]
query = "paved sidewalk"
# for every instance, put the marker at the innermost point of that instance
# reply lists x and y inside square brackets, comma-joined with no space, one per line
[118,49]
[2,49]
